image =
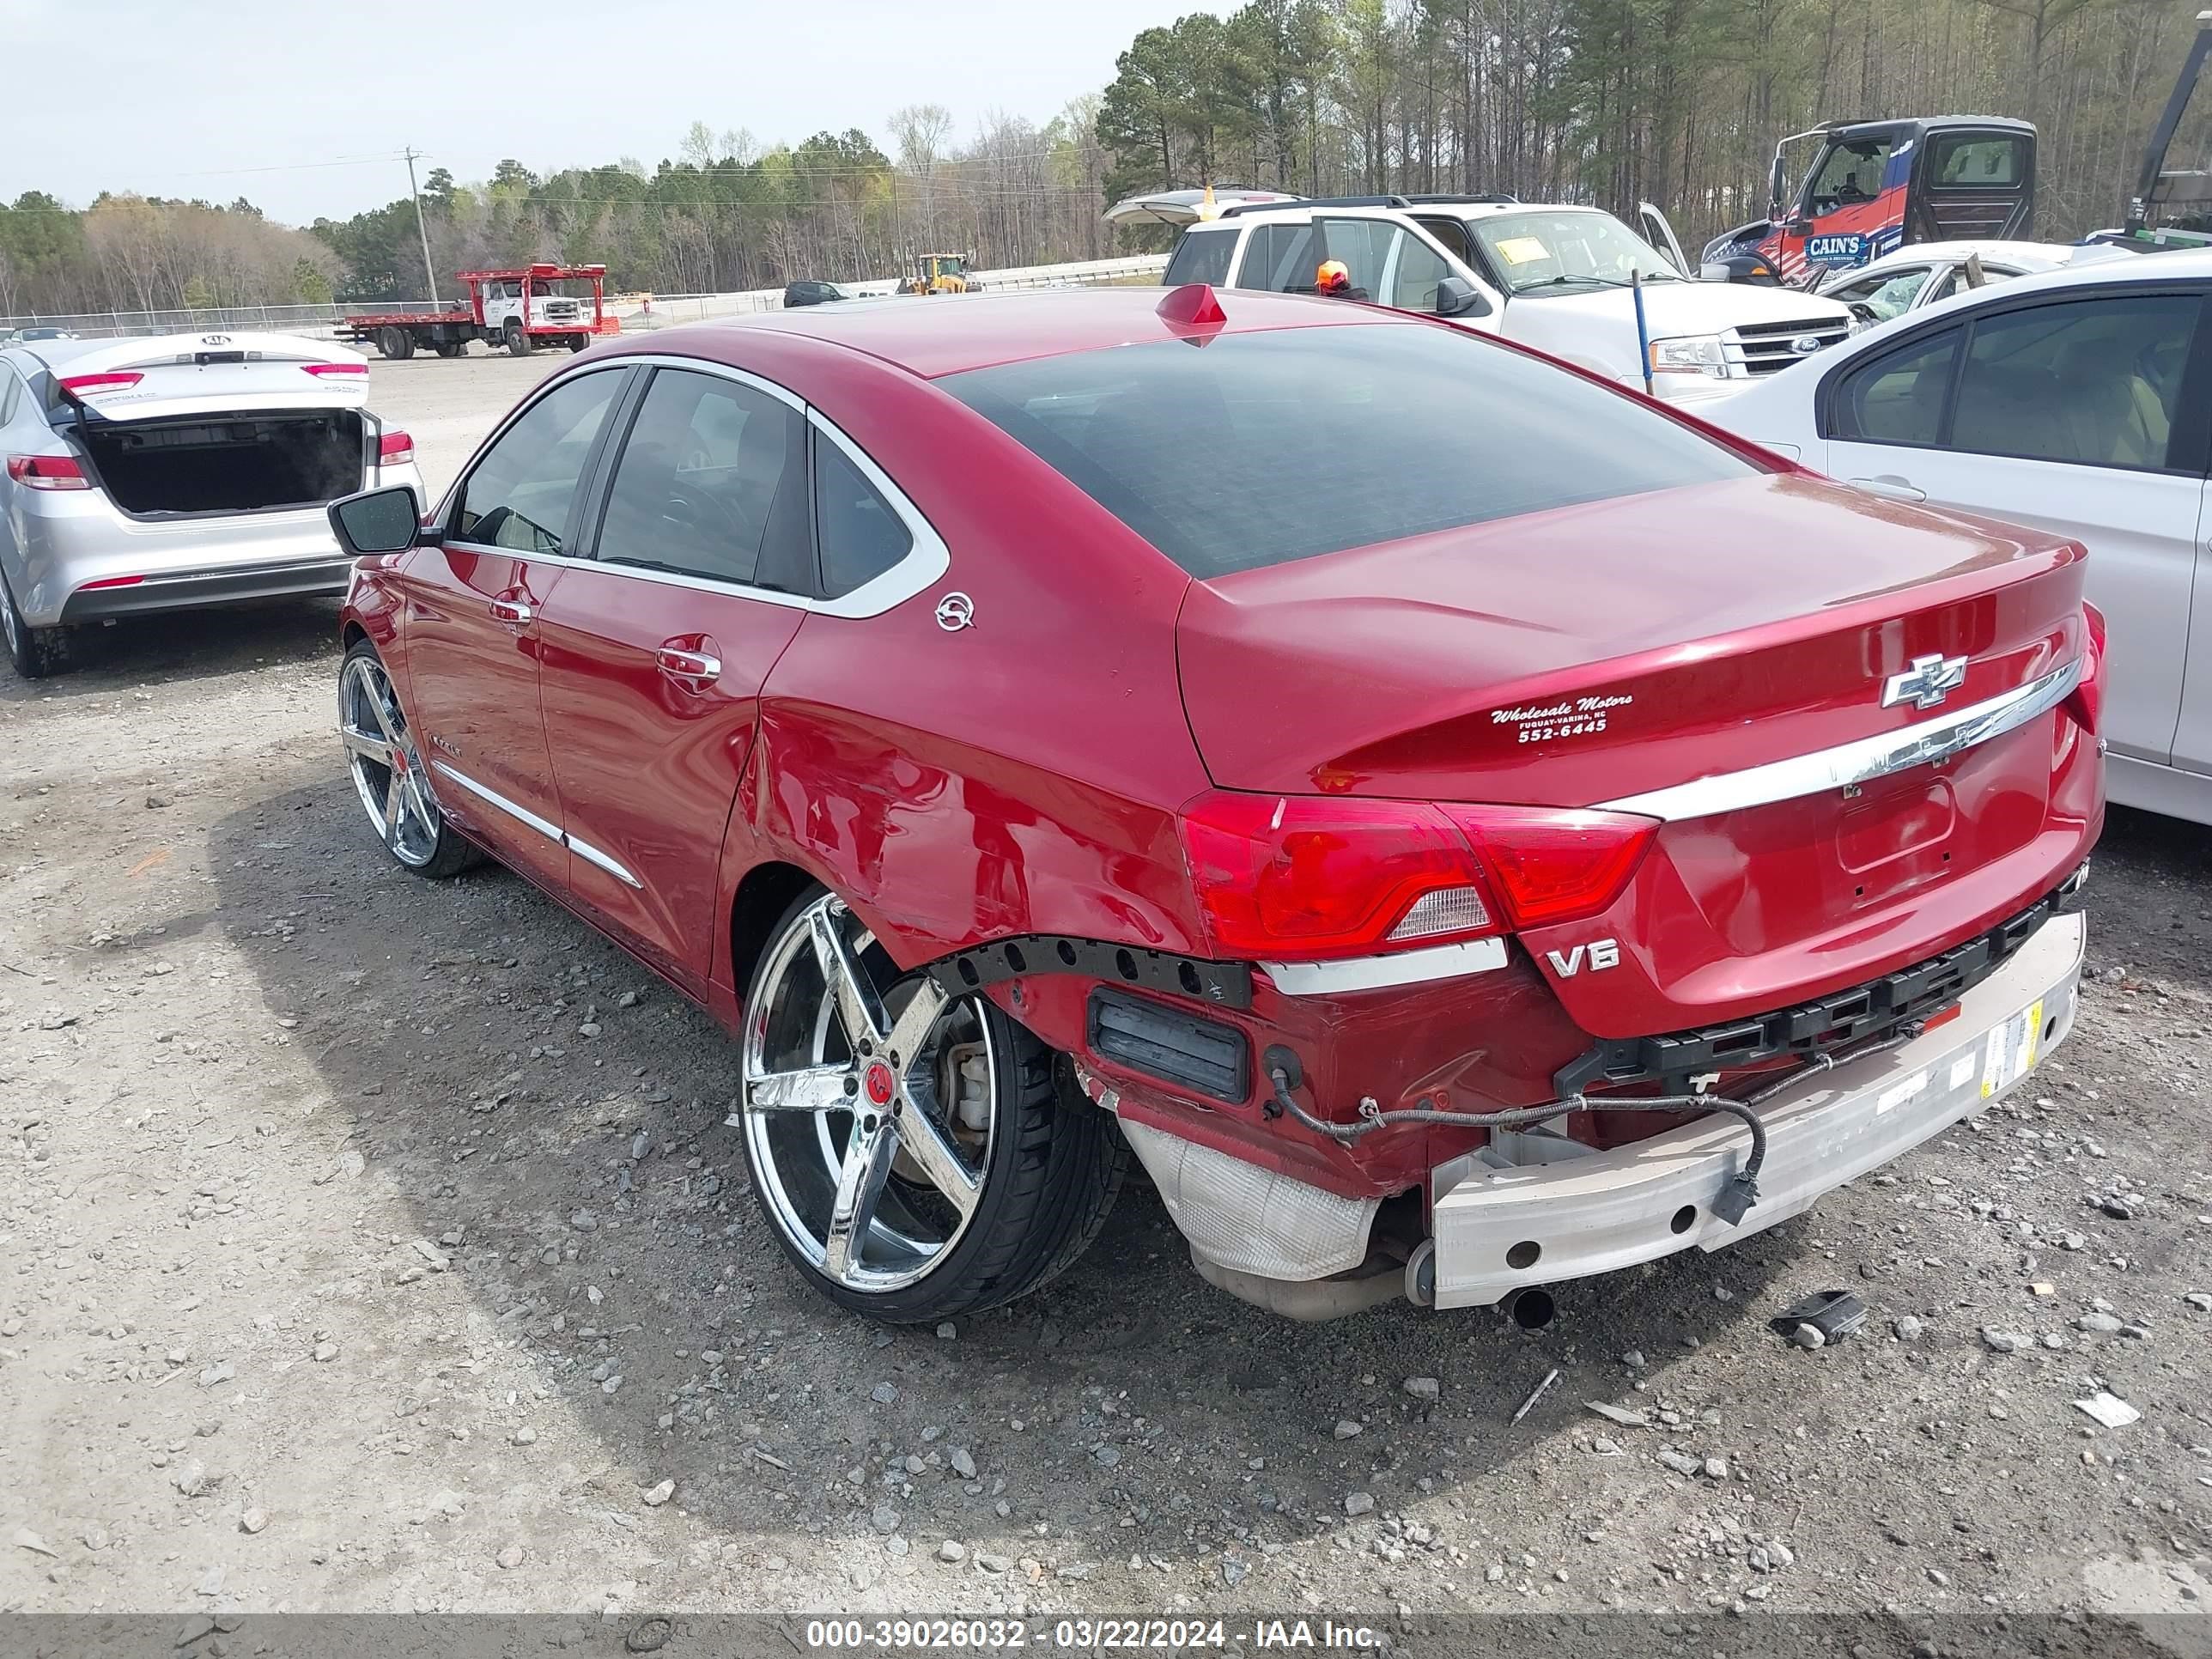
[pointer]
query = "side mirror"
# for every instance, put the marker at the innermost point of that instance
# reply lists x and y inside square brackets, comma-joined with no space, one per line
[377,520]
[1775,183]
[1457,297]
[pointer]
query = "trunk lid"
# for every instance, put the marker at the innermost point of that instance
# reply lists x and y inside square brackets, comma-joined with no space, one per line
[164,376]
[250,461]
[1600,654]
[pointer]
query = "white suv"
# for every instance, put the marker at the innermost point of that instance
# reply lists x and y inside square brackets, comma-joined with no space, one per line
[1551,277]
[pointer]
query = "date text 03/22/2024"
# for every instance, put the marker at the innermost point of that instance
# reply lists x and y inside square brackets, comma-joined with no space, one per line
[1085,1635]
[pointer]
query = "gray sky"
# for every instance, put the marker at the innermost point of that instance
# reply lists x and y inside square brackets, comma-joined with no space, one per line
[173,97]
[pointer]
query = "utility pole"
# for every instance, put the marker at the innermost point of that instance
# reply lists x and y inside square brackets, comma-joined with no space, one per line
[429,275]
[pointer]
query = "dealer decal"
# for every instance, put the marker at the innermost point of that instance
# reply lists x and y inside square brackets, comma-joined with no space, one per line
[1576,717]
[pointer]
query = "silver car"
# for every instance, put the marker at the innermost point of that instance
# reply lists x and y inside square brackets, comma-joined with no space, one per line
[171,472]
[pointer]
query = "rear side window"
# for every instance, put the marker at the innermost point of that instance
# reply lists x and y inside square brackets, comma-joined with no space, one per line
[520,492]
[860,535]
[1202,256]
[1961,162]
[1272,446]
[1278,257]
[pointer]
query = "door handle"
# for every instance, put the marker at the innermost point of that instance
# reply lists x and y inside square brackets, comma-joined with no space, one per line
[512,610]
[690,665]
[1890,487]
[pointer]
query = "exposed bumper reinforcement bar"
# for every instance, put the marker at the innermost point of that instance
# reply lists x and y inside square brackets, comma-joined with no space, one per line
[1588,1211]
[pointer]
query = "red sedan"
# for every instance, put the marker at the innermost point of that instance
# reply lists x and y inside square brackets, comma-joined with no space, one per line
[1462,826]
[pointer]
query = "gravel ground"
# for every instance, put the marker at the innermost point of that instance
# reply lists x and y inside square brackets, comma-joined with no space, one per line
[368,1244]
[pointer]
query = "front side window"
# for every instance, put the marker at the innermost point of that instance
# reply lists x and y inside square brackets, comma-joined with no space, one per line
[1888,295]
[2091,380]
[701,487]
[1567,252]
[1953,281]
[1420,268]
[520,493]
[1202,256]
[1285,444]
[1899,398]
[1851,173]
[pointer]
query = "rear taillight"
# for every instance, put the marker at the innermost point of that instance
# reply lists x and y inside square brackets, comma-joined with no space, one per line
[394,448]
[337,371]
[91,385]
[2087,700]
[1548,865]
[47,472]
[1304,877]
[111,581]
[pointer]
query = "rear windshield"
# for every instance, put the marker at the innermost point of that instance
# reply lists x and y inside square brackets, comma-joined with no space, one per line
[1260,448]
[1202,256]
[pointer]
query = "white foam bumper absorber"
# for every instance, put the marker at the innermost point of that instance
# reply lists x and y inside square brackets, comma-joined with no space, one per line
[1249,1219]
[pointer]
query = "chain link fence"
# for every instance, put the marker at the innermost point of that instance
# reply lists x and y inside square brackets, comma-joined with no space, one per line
[634,312]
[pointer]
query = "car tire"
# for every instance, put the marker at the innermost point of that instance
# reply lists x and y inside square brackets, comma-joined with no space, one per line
[518,343]
[373,726]
[36,653]
[452,348]
[579,343]
[1046,1164]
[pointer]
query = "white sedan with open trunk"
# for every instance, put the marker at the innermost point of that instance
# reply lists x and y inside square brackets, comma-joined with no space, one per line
[177,472]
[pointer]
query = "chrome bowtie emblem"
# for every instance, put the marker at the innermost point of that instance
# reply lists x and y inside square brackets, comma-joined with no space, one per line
[1806,344]
[1927,683]
[955,611]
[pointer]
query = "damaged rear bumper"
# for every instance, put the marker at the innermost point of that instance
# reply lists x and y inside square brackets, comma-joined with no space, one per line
[1534,1208]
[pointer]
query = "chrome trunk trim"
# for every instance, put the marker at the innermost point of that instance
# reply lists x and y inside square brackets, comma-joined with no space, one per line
[1856,761]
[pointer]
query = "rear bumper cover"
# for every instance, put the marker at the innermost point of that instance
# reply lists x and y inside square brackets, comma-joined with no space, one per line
[1589,1212]
[190,589]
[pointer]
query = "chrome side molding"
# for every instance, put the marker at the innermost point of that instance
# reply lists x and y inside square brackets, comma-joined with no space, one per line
[552,832]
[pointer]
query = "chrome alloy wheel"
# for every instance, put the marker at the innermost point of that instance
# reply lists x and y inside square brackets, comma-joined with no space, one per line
[870,1105]
[387,772]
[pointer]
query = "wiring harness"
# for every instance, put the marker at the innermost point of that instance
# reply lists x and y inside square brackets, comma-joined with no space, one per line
[1736,1197]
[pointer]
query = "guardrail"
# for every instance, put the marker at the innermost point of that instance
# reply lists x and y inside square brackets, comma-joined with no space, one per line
[635,311]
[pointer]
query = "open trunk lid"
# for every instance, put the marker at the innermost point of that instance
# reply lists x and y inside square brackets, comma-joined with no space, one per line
[158,377]
[1619,655]
[236,462]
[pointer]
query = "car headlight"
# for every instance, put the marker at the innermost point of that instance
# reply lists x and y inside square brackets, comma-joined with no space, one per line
[1689,354]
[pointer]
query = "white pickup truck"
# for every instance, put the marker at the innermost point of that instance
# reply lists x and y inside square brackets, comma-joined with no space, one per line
[1554,277]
